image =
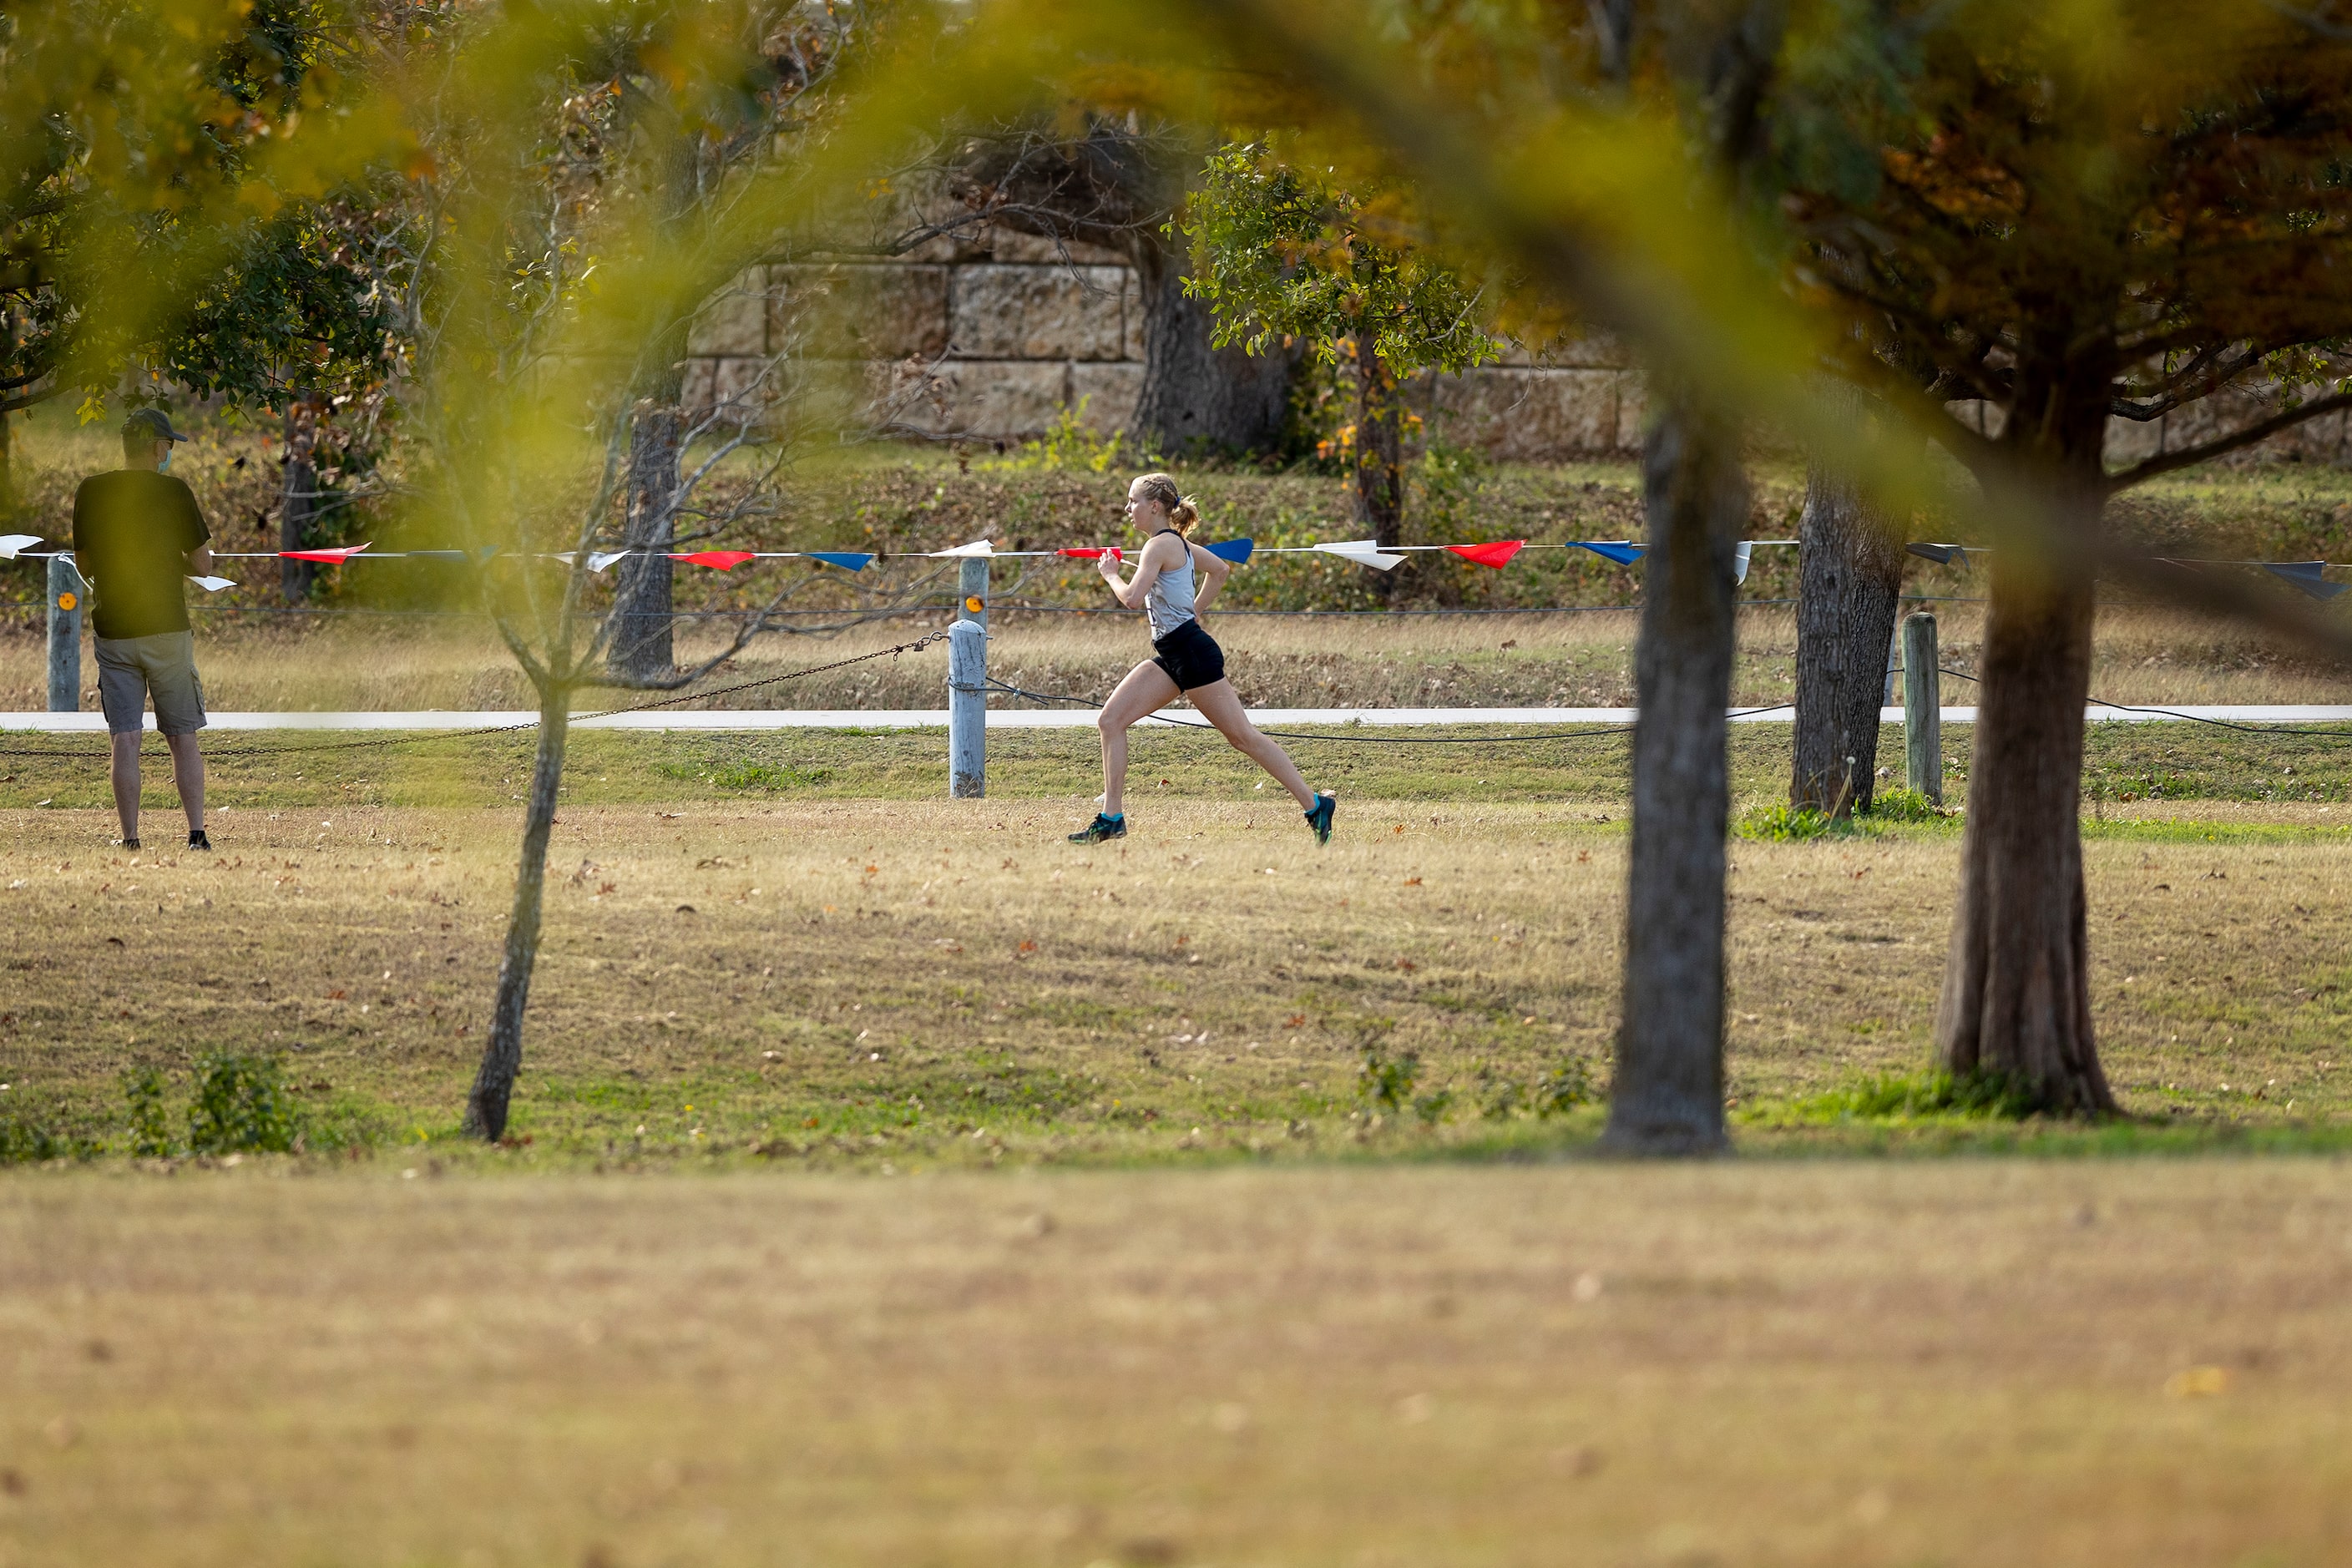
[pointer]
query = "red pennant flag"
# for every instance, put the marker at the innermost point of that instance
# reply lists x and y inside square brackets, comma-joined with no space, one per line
[1496,554]
[718,560]
[1090,552]
[334,557]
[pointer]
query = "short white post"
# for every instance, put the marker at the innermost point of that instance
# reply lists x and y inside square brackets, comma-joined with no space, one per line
[967,711]
[65,592]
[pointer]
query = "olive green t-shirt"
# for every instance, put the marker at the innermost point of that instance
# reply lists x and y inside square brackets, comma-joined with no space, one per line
[133,531]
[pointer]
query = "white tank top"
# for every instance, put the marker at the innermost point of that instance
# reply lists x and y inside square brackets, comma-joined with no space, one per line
[1168,603]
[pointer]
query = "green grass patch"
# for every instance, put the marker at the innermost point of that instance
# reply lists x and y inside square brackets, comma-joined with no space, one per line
[1935,1094]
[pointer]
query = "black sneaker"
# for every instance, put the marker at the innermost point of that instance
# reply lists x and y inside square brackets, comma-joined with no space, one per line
[1104,825]
[1319,819]
[196,839]
[126,844]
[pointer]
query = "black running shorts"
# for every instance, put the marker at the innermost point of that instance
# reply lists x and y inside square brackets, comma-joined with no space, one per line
[1190,656]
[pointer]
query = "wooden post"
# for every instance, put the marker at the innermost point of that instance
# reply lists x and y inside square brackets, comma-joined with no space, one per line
[66,593]
[967,712]
[1923,704]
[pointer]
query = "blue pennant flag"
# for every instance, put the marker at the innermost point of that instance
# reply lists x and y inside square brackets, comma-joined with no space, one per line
[2305,575]
[1236,550]
[1623,554]
[849,560]
[1941,554]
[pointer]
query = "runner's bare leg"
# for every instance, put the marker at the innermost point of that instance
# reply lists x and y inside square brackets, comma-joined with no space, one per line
[1221,705]
[1145,691]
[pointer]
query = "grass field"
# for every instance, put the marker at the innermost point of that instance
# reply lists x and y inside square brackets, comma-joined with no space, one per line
[1958,1363]
[1582,660]
[892,1183]
[751,957]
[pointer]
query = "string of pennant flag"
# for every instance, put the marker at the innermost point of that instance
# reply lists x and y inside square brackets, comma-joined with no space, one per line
[2309,576]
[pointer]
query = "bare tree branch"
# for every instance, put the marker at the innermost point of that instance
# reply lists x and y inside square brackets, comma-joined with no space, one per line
[2189,456]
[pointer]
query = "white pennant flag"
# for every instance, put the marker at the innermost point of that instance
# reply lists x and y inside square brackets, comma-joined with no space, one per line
[977,547]
[212,585]
[12,542]
[1363,552]
[600,559]
[1739,562]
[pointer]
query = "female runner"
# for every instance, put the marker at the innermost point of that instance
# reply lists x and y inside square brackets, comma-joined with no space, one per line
[1185,660]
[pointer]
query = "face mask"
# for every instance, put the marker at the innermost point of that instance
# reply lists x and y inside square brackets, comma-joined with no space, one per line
[165,465]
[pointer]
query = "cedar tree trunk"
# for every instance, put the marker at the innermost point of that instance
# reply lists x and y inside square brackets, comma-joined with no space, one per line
[1850,578]
[2016,997]
[1197,398]
[1667,1098]
[298,501]
[486,1107]
[641,646]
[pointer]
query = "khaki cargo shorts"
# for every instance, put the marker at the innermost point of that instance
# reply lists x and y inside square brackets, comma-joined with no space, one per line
[132,669]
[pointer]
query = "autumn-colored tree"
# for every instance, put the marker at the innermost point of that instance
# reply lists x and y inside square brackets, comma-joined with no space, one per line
[1287,252]
[126,134]
[2076,234]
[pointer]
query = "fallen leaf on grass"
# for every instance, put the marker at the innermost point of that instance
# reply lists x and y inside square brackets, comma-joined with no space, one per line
[2197,1383]
[1412,881]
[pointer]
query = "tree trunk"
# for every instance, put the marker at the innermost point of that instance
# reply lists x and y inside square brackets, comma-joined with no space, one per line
[1379,472]
[7,466]
[641,646]
[298,498]
[486,1107]
[1850,578]
[1197,399]
[2017,994]
[1667,1098]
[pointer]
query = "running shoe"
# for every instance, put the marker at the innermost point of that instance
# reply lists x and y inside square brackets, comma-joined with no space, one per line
[196,839]
[1104,825]
[1319,819]
[125,844]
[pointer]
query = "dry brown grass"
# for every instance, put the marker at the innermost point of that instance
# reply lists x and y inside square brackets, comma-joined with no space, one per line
[1582,660]
[923,982]
[1966,1363]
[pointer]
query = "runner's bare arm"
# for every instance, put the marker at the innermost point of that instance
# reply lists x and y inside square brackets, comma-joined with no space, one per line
[1156,557]
[1213,570]
[200,561]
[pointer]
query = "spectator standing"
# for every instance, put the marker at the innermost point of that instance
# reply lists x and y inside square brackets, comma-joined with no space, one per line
[137,531]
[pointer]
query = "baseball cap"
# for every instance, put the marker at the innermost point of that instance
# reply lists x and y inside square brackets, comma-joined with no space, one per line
[152,423]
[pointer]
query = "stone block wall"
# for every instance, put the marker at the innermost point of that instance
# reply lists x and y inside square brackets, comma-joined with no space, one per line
[992,340]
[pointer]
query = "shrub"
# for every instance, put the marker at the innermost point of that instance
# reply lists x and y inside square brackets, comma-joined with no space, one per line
[1386,1082]
[149,1123]
[242,1107]
[1567,1086]
[1781,824]
[23,1143]
[1906,805]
